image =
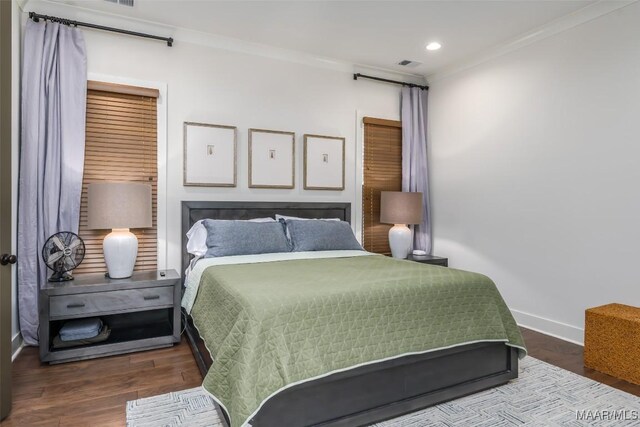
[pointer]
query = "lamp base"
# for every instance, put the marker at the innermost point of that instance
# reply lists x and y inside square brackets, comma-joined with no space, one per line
[400,241]
[120,249]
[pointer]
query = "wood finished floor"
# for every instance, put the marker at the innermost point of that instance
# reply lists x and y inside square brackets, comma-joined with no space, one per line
[570,357]
[94,392]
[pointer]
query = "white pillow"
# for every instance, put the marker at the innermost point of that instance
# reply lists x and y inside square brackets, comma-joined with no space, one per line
[197,236]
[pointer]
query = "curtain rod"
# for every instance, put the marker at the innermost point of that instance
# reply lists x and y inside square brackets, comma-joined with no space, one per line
[364,76]
[37,17]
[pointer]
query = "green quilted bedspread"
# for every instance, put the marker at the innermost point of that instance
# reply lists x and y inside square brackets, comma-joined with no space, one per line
[270,325]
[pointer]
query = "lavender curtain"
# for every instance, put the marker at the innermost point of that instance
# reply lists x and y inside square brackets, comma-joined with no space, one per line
[415,173]
[54,92]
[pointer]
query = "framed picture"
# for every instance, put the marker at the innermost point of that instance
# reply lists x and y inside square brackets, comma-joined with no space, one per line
[323,162]
[209,155]
[271,159]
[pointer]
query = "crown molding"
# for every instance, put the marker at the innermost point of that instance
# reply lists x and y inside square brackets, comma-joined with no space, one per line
[79,13]
[235,45]
[214,41]
[565,23]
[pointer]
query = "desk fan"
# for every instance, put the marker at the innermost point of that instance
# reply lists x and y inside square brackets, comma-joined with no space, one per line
[63,252]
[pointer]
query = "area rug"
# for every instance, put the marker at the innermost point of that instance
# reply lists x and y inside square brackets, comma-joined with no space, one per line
[543,395]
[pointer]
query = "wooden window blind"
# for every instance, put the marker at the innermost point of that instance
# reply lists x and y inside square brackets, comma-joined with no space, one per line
[382,172]
[121,145]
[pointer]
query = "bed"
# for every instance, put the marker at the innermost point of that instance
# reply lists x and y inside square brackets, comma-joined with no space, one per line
[284,348]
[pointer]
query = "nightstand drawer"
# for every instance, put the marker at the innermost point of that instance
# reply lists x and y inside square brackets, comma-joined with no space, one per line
[111,301]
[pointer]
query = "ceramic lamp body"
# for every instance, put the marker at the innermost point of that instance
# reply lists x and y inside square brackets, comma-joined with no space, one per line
[120,249]
[400,241]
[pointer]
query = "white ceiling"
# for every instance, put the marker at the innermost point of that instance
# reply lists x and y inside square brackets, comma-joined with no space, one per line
[372,33]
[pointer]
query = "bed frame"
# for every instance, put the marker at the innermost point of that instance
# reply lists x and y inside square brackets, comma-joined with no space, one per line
[367,394]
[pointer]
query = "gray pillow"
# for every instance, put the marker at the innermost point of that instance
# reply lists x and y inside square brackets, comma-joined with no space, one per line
[225,238]
[320,235]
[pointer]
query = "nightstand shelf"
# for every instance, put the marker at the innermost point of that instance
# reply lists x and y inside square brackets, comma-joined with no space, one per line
[142,312]
[431,259]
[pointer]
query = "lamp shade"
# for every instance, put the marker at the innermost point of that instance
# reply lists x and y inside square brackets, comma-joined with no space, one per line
[118,205]
[397,207]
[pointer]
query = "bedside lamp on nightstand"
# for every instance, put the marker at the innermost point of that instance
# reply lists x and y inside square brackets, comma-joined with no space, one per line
[119,206]
[400,208]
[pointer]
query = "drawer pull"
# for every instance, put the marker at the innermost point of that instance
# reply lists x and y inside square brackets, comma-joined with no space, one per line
[75,305]
[150,297]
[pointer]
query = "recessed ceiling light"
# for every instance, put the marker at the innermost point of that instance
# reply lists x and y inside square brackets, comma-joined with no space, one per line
[434,46]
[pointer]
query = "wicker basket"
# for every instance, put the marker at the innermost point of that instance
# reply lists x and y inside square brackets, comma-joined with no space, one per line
[612,341]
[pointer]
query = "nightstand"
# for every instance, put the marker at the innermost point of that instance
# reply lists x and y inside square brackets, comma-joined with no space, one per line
[431,259]
[143,312]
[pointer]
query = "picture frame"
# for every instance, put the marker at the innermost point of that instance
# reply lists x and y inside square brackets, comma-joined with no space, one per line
[272,156]
[324,162]
[210,155]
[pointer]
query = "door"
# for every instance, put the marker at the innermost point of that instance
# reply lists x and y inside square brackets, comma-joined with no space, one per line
[6,258]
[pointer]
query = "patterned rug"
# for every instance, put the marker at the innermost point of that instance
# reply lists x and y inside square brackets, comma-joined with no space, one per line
[543,395]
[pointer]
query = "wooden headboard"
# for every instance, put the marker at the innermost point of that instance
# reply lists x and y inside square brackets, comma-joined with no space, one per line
[193,211]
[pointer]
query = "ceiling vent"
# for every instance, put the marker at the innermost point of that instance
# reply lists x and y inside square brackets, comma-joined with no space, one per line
[122,2]
[409,64]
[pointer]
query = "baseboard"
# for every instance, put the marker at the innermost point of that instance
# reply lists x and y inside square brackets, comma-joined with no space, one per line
[16,346]
[550,327]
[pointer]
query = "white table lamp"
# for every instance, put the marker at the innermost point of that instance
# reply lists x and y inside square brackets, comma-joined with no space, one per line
[119,206]
[400,208]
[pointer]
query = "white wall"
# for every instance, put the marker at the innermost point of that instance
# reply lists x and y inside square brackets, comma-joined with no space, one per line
[535,172]
[221,86]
